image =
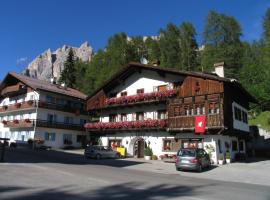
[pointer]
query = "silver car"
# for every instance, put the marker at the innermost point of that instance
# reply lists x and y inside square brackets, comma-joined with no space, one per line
[99,152]
[192,159]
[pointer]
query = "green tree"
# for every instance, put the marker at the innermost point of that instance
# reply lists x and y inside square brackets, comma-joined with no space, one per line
[169,46]
[188,46]
[221,38]
[68,74]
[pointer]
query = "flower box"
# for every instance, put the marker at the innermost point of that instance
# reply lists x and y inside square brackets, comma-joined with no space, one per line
[18,105]
[127,124]
[5,107]
[27,120]
[15,121]
[4,122]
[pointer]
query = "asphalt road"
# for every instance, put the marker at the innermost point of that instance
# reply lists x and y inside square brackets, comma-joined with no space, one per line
[52,175]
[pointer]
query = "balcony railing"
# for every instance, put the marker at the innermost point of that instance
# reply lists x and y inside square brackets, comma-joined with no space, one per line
[25,123]
[139,98]
[17,106]
[127,125]
[187,122]
[13,90]
[42,104]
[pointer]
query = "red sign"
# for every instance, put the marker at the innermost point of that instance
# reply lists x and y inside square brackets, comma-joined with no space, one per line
[199,123]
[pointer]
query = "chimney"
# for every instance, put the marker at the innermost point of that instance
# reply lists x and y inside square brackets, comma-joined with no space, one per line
[53,80]
[219,69]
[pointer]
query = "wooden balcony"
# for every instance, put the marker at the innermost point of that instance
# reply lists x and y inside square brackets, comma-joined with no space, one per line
[59,125]
[26,123]
[178,123]
[60,107]
[18,106]
[13,90]
[32,104]
[144,125]
[139,99]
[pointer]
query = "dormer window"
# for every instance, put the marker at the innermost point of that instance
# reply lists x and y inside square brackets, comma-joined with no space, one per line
[123,94]
[140,91]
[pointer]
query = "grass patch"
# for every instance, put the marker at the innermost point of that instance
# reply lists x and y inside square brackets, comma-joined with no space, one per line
[262,120]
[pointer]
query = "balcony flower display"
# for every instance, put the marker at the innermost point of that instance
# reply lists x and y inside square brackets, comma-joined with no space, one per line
[30,102]
[15,121]
[141,97]
[27,120]
[5,107]
[18,105]
[127,124]
[4,122]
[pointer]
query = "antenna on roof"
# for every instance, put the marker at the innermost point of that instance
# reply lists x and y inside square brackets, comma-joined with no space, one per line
[143,61]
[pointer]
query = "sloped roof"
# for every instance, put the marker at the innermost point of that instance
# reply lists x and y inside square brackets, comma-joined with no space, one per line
[37,84]
[133,66]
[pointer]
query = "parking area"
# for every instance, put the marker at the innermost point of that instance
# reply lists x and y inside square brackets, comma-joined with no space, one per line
[256,171]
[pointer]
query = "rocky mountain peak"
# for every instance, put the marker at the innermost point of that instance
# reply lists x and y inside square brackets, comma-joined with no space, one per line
[48,63]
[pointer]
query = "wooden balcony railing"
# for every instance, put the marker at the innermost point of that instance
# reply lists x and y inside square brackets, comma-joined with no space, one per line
[187,122]
[42,104]
[131,100]
[24,123]
[13,90]
[127,125]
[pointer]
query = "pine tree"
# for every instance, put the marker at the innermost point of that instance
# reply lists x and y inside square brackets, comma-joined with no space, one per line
[68,75]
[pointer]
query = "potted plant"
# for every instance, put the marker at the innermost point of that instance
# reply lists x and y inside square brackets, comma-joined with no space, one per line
[27,120]
[148,153]
[18,105]
[5,107]
[220,159]
[228,157]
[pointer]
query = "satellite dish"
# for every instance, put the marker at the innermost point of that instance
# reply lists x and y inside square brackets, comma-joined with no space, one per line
[143,61]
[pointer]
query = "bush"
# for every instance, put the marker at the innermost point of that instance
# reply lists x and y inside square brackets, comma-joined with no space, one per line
[154,157]
[148,151]
[221,157]
[228,155]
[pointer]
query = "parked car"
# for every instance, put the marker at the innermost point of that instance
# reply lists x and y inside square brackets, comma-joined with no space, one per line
[99,152]
[192,159]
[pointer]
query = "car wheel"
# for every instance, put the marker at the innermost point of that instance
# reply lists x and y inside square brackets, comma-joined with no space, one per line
[98,156]
[199,168]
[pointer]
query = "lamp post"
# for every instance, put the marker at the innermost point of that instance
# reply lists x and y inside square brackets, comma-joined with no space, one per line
[35,121]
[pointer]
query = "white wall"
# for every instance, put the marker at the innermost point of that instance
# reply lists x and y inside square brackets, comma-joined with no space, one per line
[240,125]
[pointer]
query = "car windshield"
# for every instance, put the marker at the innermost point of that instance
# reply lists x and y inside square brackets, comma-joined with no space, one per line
[187,153]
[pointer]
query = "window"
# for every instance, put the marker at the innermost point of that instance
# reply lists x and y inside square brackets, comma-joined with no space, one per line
[140,91]
[237,114]
[234,145]
[213,108]
[50,99]
[49,136]
[139,116]
[123,117]
[241,145]
[123,94]
[67,139]
[82,121]
[176,111]
[114,143]
[162,114]
[68,120]
[162,88]
[81,138]
[172,144]
[244,115]
[200,110]
[113,118]
[51,118]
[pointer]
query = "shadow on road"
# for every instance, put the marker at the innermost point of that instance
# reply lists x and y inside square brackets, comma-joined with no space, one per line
[34,156]
[124,191]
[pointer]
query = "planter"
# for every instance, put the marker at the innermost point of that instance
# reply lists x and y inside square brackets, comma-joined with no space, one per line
[220,162]
[147,157]
[228,161]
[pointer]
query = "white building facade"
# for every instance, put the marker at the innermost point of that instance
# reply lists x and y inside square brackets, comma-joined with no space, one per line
[48,113]
[145,106]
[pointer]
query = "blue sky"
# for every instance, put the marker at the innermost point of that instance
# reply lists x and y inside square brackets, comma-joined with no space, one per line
[29,27]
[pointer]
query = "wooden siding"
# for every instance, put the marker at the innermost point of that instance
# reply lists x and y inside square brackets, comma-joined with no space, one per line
[193,86]
[97,101]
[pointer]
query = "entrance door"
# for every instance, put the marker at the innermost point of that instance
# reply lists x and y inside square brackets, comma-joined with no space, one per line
[139,148]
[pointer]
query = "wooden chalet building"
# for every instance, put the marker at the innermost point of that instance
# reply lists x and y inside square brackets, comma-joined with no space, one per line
[166,109]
